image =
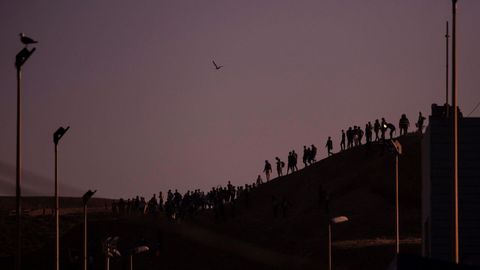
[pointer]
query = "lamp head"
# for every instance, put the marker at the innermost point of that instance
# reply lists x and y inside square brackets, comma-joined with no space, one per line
[59,134]
[397,146]
[86,197]
[340,219]
[110,247]
[140,249]
[115,253]
[23,56]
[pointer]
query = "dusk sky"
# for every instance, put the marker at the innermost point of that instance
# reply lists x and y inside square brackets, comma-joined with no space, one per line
[149,112]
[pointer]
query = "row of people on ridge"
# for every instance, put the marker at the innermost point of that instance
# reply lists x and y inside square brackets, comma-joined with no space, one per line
[352,137]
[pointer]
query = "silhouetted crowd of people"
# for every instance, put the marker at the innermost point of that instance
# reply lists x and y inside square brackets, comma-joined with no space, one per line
[224,199]
[352,137]
[177,206]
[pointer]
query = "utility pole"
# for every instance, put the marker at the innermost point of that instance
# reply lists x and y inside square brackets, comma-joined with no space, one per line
[56,139]
[20,60]
[57,217]
[329,244]
[333,221]
[85,198]
[456,255]
[397,212]
[397,147]
[19,170]
[446,72]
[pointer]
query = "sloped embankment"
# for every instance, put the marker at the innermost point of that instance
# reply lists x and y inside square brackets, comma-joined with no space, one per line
[361,186]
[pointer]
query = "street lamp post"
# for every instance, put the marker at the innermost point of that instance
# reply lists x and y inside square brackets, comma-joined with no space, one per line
[56,139]
[20,60]
[85,198]
[137,250]
[456,254]
[110,250]
[398,151]
[447,36]
[335,220]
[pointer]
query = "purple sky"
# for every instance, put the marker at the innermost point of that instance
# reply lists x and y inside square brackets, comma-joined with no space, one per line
[148,111]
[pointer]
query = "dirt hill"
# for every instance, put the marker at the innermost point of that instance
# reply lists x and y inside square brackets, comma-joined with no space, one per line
[360,182]
[361,186]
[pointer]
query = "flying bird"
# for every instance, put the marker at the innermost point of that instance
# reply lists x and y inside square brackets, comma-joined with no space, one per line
[216,67]
[26,40]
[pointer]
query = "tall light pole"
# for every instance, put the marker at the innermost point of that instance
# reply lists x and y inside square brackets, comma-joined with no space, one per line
[137,250]
[85,198]
[335,220]
[447,36]
[56,139]
[110,250]
[20,60]
[398,151]
[456,256]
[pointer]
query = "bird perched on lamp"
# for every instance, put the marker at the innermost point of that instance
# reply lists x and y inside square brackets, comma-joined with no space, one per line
[26,40]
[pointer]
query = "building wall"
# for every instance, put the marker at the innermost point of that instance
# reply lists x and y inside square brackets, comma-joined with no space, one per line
[437,193]
[425,159]
[469,190]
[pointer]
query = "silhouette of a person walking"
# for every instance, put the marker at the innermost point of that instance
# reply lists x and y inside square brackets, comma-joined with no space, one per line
[420,121]
[294,161]
[403,124]
[329,146]
[306,154]
[391,127]
[383,128]
[290,162]
[368,132]
[259,180]
[349,137]
[267,170]
[313,154]
[376,129]
[280,165]
[342,142]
